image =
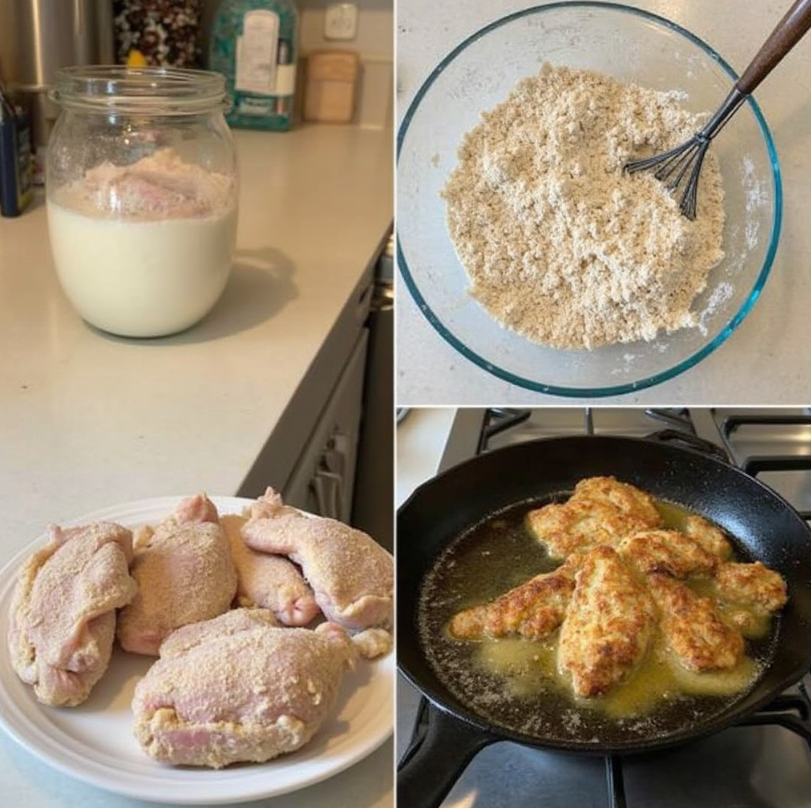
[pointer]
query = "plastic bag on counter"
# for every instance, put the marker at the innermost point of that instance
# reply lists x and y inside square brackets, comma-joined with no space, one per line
[159,33]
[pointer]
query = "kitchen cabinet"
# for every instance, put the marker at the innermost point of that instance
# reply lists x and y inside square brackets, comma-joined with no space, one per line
[324,478]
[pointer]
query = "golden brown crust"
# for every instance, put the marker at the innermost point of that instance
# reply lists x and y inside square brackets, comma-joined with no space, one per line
[632,502]
[608,625]
[532,610]
[751,585]
[710,537]
[693,628]
[602,510]
[666,551]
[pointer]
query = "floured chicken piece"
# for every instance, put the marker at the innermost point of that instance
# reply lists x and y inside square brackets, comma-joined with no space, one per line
[372,643]
[235,689]
[352,577]
[270,581]
[62,621]
[667,551]
[693,628]
[601,510]
[532,610]
[608,625]
[710,537]
[184,573]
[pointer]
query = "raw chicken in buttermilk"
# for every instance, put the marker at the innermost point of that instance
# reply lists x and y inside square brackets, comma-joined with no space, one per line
[184,573]
[62,621]
[237,688]
[351,575]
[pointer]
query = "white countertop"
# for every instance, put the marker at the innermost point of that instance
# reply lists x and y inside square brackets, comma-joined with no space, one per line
[765,360]
[88,420]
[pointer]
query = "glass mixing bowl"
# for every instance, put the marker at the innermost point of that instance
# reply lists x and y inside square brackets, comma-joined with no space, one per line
[633,46]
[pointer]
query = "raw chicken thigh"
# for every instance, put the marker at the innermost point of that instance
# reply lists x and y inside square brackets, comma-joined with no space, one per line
[270,581]
[62,622]
[184,573]
[351,575]
[236,688]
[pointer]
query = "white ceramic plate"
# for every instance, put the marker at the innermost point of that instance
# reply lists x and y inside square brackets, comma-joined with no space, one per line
[94,742]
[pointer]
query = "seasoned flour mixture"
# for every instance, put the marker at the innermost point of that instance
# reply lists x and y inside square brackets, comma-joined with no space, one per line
[560,245]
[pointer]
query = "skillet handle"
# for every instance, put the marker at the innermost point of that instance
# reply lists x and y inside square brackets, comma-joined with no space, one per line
[429,769]
[691,442]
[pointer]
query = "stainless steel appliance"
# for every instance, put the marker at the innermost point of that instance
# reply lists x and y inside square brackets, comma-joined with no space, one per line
[50,34]
[766,761]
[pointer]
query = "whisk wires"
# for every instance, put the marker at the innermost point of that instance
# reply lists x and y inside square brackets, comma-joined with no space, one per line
[681,167]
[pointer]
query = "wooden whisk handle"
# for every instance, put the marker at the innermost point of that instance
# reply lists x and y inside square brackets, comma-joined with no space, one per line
[787,33]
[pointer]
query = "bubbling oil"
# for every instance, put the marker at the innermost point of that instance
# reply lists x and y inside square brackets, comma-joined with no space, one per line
[515,684]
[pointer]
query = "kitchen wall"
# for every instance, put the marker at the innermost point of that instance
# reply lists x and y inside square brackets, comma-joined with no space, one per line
[7,44]
[374,43]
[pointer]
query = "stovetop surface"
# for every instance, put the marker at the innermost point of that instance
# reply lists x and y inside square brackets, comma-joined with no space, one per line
[763,766]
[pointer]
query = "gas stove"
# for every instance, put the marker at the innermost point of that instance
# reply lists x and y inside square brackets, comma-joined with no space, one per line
[765,761]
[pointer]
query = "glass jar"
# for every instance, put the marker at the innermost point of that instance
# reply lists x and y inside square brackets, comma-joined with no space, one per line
[141,196]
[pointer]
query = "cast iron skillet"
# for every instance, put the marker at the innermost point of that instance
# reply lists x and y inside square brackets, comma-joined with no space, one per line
[763,524]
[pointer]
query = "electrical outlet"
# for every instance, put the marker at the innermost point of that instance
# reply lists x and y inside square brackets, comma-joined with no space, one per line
[341,21]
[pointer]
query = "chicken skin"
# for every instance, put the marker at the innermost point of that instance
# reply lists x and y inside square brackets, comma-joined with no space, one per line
[235,688]
[608,625]
[693,628]
[270,581]
[666,551]
[352,577]
[62,621]
[532,610]
[601,510]
[184,573]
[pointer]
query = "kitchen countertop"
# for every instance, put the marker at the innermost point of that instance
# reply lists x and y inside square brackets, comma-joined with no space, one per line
[88,420]
[765,360]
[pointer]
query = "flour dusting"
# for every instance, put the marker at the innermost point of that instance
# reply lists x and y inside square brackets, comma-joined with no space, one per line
[560,245]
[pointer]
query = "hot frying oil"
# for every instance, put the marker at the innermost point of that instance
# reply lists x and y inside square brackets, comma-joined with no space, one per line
[516,684]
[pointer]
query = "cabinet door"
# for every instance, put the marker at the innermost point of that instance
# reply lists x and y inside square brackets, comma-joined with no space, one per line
[324,478]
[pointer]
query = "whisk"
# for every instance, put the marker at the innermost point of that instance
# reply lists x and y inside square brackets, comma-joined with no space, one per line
[682,165]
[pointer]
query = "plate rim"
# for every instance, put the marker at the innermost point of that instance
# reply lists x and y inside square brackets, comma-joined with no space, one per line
[216,787]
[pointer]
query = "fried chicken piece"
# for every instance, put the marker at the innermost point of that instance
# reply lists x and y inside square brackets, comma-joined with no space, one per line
[632,502]
[62,621]
[237,689]
[608,625]
[753,586]
[270,581]
[710,537]
[184,573]
[532,610]
[666,551]
[600,511]
[352,576]
[693,628]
